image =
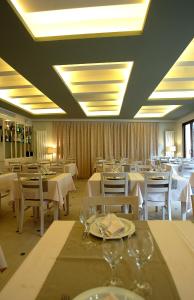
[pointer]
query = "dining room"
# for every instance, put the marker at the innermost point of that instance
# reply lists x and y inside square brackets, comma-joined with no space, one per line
[96,150]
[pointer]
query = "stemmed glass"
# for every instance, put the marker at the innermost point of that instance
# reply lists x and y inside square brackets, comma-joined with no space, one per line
[113,254]
[141,247]
[87,217]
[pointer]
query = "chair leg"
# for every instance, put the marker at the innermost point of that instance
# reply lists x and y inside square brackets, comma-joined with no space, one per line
[41,221]
[56,210]
[169,213]
[163,212]
[21,218]
[145,212]
[0,202]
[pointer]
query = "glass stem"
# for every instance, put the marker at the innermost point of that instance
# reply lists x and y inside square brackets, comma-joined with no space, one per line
[113,274]
[139,272]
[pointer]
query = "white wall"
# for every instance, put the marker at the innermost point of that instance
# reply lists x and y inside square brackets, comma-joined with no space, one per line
[179,131]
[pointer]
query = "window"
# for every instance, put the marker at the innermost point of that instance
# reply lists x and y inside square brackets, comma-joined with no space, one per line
[188,139]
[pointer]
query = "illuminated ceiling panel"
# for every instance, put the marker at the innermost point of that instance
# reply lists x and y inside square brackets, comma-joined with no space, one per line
[15,89]
[98,88]
[179,81]
[157,111]
[56,19]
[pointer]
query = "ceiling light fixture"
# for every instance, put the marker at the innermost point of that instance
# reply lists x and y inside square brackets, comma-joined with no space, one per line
[178,83]
[47,20]
[99,88]
[157,111]
[15,91]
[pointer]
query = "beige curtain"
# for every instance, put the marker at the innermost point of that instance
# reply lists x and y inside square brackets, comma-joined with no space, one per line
[87,140]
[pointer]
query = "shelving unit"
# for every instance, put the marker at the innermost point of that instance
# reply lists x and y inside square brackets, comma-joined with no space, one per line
[15,139]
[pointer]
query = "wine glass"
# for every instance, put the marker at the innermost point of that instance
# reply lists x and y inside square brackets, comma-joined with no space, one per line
[141,247]
[113,254]
[87,217]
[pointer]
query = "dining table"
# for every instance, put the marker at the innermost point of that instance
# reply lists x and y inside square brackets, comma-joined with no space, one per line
[61,266]
[6,180]
[180,190]
[56,187]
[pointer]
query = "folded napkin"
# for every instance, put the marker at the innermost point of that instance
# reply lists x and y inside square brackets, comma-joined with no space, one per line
[111,225]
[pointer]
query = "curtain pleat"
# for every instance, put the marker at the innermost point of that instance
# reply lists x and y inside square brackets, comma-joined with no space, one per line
[87,140]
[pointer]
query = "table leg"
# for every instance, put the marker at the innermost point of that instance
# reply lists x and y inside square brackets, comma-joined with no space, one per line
[66,205]
[56,210]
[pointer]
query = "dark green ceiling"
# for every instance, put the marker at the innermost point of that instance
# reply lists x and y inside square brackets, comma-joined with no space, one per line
[168,30]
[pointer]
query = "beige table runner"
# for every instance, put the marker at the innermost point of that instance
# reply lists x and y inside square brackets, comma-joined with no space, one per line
[78,269]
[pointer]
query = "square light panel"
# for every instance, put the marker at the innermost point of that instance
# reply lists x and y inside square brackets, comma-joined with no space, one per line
[157,111]
[98,88]
[18,91]
[178,83]
[57,19]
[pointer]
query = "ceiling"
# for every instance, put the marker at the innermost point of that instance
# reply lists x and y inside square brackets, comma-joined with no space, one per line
[168,30]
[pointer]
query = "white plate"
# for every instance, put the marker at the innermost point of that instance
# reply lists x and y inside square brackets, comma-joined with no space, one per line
[101,292]
[129,229]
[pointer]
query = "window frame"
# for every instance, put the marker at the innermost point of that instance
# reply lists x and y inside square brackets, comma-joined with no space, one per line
[191,122]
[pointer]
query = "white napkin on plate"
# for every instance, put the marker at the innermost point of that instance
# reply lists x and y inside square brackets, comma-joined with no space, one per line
[111,225]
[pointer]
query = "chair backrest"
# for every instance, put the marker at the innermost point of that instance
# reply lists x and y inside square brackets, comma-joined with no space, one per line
[114,183]
[129,168]
[57,169]
[187,169]
[16,168]
[108,167]
[31,187]
[143,168]
[31,168]
[157,182]
[107,202]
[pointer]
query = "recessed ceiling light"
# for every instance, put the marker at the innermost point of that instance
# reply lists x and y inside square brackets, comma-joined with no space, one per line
[55,19]
[157,111]
[18,91]
[178,83]
[99,88]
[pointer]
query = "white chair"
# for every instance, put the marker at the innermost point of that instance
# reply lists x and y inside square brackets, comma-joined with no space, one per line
[143,168]
[129,168]
[31,188]
[114,184]
[57,168]
[157,189]
[94,202]
[108,167]
[15,168]
[187,169]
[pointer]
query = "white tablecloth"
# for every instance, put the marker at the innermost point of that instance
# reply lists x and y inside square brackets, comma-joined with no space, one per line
[58,188]
[71,168]
[175,168]
[175,240]
[6,182]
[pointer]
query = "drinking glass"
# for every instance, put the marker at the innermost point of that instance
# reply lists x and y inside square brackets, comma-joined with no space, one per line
[113,254]
[86,218]
[141,247]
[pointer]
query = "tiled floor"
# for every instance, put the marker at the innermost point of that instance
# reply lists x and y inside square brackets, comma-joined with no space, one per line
[17,246]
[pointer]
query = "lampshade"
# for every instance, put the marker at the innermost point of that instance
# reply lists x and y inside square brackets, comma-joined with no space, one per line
[51,150]
[173,148]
